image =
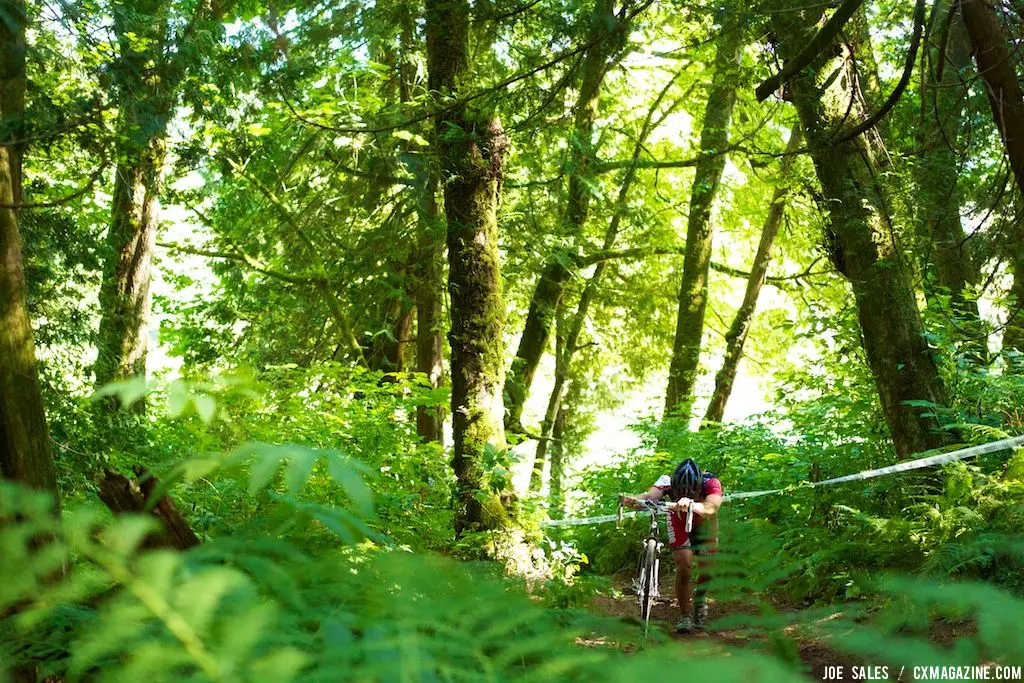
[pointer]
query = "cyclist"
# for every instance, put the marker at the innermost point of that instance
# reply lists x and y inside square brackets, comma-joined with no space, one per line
[689,486]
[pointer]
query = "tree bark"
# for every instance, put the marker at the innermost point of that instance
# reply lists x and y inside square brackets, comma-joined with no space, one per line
[693,291]
[430,238]
[996,66]
[25,454]
[737,334]
[472,147]
[556,273]
[124,292]
[546,442]
[148,98]
[129,496]
[389,352]
[861,242]
[944,94]
[567,346]
[429,307]
[556,499]
[12,87]
[148,82]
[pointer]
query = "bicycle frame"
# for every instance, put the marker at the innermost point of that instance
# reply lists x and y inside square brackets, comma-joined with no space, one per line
[646,582]
[653,534]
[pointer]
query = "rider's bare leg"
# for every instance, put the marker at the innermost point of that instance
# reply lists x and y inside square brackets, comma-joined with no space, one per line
[704,564]
[684,563]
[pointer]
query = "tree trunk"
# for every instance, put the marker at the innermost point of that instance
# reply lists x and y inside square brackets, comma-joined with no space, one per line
[938,199]
[429,307]
[124,292]
[25,453]
[388,352]
[147,86]
[399,356]
[545,444]
[861,242]
[534,340]
[693,291]
[429,278]
[129,496]
[556,273]
[472,147]
[147,100]
[737,334]
[12,87]
[996,66]
[556,499]
[567,347]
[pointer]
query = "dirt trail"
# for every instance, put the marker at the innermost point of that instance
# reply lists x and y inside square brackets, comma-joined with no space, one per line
[814,653]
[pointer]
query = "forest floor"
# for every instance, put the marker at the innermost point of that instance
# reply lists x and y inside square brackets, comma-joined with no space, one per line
[798,641]
[814,653]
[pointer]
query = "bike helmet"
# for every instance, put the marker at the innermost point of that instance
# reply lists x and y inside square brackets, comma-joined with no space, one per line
[686,480]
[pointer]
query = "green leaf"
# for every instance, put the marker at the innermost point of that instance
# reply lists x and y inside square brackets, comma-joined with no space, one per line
[280,666]
[348,474]
[128,391]
[178,399]
[300,464]
[206,407]
[266,462]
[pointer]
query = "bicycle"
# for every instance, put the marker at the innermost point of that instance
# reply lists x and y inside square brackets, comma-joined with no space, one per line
[646,582]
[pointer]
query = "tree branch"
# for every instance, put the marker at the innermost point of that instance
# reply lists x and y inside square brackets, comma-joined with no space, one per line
[242,257]
[463,101]
[818,44]
[894,96]
[642,252]
[89,184]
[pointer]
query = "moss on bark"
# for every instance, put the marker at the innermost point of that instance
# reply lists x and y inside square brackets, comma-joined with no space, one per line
[693,290]
[472,147]
[861,241]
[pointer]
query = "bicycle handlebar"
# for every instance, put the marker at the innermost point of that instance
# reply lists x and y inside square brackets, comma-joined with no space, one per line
[659,506]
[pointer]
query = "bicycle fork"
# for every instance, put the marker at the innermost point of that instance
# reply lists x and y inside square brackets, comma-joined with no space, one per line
[656,583]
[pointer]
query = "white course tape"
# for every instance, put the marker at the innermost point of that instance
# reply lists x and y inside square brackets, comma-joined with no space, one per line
[940,459]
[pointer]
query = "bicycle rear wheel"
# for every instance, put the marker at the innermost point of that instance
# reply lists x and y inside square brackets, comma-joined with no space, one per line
[648,579]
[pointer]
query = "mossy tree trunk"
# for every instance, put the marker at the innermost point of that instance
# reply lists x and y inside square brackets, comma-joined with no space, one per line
[860,239]
[25,453]
[429,305]
[388,351]
[430,240]
[952,269]
[146,89]
[736,337]
[994,56]
[12,86]
[568,340]
[556,498]
[472,147]
[606,37]
[149,71]
[693,290]
[546,444]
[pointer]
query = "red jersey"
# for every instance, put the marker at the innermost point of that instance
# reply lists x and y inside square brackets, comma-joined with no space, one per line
[699,535]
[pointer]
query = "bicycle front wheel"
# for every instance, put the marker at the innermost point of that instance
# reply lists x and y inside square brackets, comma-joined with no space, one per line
[648,579]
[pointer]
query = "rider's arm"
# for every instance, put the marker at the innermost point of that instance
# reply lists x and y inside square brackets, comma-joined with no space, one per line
[654,493]
[710,505]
